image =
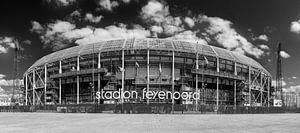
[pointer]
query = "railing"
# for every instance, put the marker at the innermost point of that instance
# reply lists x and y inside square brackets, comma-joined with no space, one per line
[220,74]
[165,108]
[81,72]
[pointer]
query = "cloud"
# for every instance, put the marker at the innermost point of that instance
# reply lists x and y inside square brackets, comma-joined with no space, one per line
[154,12]
[36,27]
[77,33]
[189,21]
[61,2]
[94,19]
[274,83]
[227,37]
[27,42]
[189,36]
[108,5]
[295,88]
[2,49]
[156,29]
[284,54]
[2,76]
[114,32]
[264,47]
[294,77]
[295,27]
[262,37]
[8,42]
[52,35]
[75,13]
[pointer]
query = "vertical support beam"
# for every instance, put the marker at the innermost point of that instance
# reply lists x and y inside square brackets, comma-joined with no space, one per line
[217,93]
[26,89]
[123,75]
[77,99]
[77,77]
[148,72]
[173,78]
[234,99]
[268,92]
[197,68]
[261,89]
[60,71]
[249,85]
[218,70]
[33,86]
[99,80]
[45,84]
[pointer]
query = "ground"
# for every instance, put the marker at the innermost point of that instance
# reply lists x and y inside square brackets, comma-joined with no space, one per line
[150,123]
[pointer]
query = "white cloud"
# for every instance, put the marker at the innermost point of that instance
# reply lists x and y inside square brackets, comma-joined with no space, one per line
[292,89]
[189,21]
[274,83]
[295,27]
[59,27]
[108,4]
[156,29]
[126,1]
[227,37]
[9,82]
[264,47]
[52,35]
[61,2]
[2,76]
[75,13]
[114,32]
[6,43]
[91,18]
[154,12]
[27,42]
[262,37]
[189,36]
[78,33]
[36,27]
[3,49]
[284,54]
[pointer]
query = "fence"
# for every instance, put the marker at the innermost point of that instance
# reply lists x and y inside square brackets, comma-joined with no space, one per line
[148,109]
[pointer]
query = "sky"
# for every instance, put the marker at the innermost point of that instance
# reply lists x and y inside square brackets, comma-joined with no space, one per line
[250,27]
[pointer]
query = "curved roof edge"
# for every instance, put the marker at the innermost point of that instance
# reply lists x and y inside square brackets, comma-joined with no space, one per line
[147,43]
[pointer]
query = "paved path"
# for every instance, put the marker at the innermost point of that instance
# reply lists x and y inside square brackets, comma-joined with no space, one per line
[150,123]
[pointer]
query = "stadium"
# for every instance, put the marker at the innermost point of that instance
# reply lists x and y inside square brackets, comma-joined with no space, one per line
[73,75]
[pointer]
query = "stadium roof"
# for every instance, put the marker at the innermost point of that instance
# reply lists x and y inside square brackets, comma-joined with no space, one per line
[148,43]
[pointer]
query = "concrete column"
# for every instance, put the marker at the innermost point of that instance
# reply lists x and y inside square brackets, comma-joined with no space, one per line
[60,71]
[249,85]
[235,73]
[99,80]
[26,89]
[217,93]
[45,85]
[148,72]
[33,86]
[218,70]
[173,78]
[268,91]
[261,88]
[77,78]
[197,68]
[123,74]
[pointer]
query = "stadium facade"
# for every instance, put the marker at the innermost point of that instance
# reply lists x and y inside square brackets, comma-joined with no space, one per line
[73,75]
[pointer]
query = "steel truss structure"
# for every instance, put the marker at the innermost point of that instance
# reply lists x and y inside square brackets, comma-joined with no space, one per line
[72,76]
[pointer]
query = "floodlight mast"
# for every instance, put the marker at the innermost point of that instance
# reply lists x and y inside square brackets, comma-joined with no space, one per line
[15,70]
[278,90]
